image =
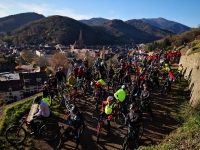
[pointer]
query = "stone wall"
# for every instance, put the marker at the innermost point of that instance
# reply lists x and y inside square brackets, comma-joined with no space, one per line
[191,72]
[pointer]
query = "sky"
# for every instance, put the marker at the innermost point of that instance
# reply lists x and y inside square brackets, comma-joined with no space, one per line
[182,11]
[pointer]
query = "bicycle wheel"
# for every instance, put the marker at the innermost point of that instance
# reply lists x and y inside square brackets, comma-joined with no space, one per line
[120,120]
[126,143]
[49,132]
[16,135]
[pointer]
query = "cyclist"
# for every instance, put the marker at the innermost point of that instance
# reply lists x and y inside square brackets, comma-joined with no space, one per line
[155,76]
[46,92]
[169,81]
[72,80]
[120,96]
[127,79]
[59,76]
[75,70]
[52,81]
[145,97]
[133,90]
[109,109]
[81,72]
[76,120]
[120,75]
[100,84]
[179,71]
[134,118]
[102,69]
[97,74]
[85,62]
[111,72]
[43,113]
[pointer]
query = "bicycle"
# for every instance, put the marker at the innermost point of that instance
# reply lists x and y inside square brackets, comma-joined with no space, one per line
[99,94]
[130,136]
[17,134]
[120,118]
[99,126]
[70,136]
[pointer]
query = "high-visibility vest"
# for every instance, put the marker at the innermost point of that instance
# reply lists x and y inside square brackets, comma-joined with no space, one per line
[180,69]
[47,100]
[109,108]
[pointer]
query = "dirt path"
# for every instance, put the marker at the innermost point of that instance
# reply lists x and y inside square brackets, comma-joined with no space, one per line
[154,132]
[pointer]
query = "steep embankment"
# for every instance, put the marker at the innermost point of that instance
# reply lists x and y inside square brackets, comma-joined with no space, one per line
[191,64]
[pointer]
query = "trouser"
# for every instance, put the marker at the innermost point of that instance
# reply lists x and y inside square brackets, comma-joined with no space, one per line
[155,80]
[108,121]
[135,131]
[34,121]
[148,108]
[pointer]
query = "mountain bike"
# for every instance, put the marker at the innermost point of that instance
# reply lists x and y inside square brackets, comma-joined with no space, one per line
[130,136]
[69,135]
[99,126]
[17,134]
[120,118]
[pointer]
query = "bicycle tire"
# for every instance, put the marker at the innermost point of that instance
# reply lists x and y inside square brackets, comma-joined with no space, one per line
[49,132]
[126,143]
[11,134]
[120,120]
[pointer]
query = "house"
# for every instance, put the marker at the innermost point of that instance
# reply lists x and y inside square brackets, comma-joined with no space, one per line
[12,90]
[32,82]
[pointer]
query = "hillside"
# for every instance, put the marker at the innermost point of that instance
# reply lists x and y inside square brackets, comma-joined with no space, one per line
[15,21]
[152,30]
[94,21]
[59,29]
[166,24]
[120,28]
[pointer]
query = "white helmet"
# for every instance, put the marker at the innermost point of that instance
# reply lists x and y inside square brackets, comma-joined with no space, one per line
[180,64]
[102,63]
[85,58]
[75,64]
[91,83]
[123,86]
[110,98]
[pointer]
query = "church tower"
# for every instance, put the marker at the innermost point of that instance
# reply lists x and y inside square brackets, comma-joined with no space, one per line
[80,39]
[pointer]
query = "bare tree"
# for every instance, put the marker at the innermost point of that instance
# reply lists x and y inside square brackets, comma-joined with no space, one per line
[57,60]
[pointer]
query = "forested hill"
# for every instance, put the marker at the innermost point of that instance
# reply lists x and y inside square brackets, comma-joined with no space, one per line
[12,22]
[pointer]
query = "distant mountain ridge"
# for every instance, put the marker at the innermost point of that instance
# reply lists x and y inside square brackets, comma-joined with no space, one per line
[166,24]
[94,21]
[12,22]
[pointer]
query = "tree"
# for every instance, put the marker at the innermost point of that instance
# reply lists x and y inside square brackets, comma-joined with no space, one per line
[57,60]
[42,61]
[48,71]
[28,56]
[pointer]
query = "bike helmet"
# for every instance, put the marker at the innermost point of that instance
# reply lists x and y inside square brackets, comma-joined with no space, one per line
[36,99]
[123,86]
[71,73]
[109,98]
[134,81]
[132,106]
[74,109]
[85,59]
[92,83]
[45,82]
[75,64]
[50,75]
[145,85]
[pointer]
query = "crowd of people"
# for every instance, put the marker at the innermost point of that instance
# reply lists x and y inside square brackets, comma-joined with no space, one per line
[134,77]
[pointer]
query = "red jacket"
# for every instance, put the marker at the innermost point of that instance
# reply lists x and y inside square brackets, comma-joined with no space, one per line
[171,75]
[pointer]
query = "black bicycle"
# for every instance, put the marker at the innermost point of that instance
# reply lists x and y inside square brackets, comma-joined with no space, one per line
[120,118]
[130,136]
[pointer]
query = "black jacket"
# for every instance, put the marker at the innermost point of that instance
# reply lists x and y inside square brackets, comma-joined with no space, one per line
[60,75]
[134,118]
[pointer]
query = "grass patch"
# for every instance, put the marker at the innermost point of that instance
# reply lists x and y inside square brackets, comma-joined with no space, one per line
[187,135]
[13,113]
[196,47]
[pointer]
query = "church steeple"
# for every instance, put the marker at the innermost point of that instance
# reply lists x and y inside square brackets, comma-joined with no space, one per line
[80,39]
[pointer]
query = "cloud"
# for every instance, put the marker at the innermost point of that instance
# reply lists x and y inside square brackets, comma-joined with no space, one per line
[4,9]
[38,8]
[70,13]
